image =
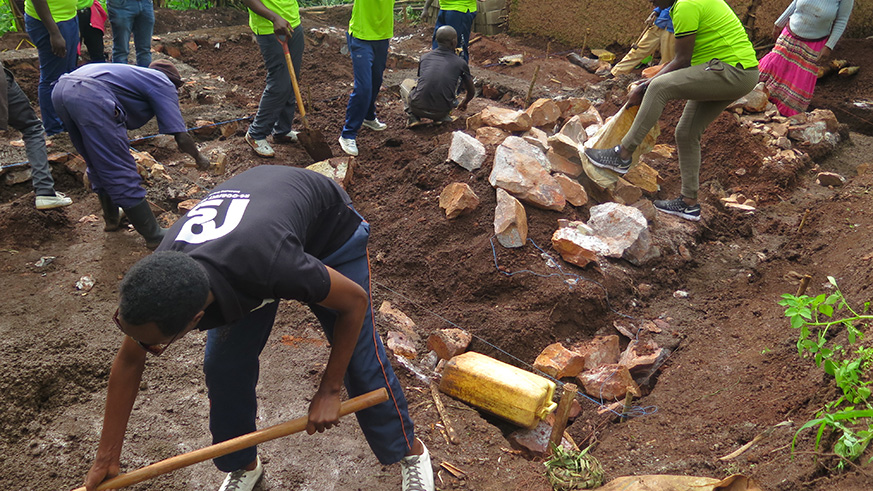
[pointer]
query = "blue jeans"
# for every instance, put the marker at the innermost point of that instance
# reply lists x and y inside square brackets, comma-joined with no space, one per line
[276,109]
[368,64]
[51,67]
[23,118]
[126,16]
[462,22]
[231,367]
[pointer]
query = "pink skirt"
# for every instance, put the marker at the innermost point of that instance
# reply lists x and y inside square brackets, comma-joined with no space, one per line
[789,72]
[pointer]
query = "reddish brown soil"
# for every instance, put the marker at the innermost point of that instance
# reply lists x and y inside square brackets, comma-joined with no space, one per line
[735,374]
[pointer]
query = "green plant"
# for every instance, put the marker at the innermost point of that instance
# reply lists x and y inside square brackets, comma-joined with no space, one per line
[850,416]
[7,21]
[189,4]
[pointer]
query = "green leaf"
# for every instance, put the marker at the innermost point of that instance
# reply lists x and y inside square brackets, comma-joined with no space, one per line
[830,367]
[827,310]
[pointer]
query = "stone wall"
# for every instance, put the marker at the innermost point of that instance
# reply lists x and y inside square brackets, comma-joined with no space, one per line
[609,21]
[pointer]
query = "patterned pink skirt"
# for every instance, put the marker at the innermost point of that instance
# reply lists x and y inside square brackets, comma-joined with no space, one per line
[789,72]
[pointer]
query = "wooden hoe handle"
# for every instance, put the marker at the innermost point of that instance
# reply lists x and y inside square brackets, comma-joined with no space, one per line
[294,82]
[282,429]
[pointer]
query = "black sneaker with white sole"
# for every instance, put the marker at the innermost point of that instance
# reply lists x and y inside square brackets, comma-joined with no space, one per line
[679,208]
[608,158]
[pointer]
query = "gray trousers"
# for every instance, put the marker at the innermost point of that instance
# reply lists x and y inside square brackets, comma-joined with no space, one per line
[709,89]
[23,118]
[276,109]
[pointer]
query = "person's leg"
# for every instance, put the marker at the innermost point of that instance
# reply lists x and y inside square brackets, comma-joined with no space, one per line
[380,59]
[143,26]
[286,116]
[51,67]
[359,102]
[667,46]
[92,37]
[232,368]
[387,426]
[276,108]
[121,19]
[23,118]
[462,22]
[440,21]
[649,42]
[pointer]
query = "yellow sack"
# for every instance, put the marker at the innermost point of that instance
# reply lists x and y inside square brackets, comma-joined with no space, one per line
[737,482]
[610,135]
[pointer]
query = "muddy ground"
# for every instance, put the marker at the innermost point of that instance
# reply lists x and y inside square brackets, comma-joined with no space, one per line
[735,374]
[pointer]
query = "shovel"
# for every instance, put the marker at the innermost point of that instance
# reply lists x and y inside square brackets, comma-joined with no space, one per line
[282,429]
[311,139]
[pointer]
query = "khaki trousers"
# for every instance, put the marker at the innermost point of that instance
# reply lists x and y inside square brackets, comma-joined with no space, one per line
[653,38]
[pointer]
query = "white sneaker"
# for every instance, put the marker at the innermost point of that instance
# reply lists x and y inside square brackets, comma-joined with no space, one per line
[243,480]
[417,472]
[261,147]
[374,124]
[56,201]
[349,145]
[290,137]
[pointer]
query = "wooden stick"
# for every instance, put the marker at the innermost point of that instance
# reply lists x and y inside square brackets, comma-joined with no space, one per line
[628,399]
[530,89]
[561,414]
[450,430]
[804,283]
[803,220]
[277,431]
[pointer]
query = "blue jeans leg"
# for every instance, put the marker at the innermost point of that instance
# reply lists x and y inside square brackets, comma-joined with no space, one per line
[368,64]
[143,27]
[276,109]
[51,67]
[387,426]
[131,16]
[462,22]
[232,368]
[23,118]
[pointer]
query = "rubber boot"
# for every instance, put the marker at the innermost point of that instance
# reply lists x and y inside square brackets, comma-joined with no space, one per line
[144,221]
[111,213]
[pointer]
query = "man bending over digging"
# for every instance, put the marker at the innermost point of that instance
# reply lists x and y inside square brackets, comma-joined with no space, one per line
[209,274]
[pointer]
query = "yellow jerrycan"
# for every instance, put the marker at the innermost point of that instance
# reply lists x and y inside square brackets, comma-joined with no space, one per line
[501,389]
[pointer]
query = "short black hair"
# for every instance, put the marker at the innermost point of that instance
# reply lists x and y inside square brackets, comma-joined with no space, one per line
[446,36]
[168,288]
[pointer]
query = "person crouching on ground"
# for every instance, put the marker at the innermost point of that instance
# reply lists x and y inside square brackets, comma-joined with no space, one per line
[658,36]
[715,64]
[439,73]
[209,275]
[98,103]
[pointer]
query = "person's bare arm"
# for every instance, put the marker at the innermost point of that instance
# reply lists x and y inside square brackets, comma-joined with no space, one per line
[59,45]
[471,92]
[280,26]
[684,51]
[350,302]
[124,380]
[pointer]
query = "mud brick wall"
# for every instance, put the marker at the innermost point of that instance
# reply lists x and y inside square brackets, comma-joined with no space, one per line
[621,21]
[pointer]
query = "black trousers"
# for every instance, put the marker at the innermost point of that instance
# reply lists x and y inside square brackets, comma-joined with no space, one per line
[91,37]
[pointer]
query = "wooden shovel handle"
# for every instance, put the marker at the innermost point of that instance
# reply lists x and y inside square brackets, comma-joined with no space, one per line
[282,429]
[294,82]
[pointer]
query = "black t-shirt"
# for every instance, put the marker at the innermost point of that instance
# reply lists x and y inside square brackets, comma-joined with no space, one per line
[261,236]
[439,72]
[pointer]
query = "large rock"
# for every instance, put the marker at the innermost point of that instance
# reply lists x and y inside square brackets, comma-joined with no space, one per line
[340,169]
[574,130]
[572,106]
[625,231]
[543,112]
[458,199]
[644,177]
[590,117]
[753,102]
[608,382]
[474,122]
[17,175]
[489,135]
[626,193]
[827,116]
[559,362]
[577,245]
[397,320]
[522,169]
[505,119]
[400,344]
[830,179]
[449,342]
[534,443]
[510,220]
[537,138]
[559,163]
[564,146]
[602,350]
[573,191]
[466,151]
[640,356]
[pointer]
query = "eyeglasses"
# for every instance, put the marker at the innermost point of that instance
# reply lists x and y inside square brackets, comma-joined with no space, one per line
[155,349]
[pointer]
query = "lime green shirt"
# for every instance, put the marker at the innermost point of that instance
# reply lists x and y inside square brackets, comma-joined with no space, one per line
[372,20]
[61,9]
[83,4]
[287,9]
[458,5]
[719,32]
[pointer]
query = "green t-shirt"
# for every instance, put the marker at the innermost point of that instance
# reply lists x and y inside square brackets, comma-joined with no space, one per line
[719,32]
[287,9]
[458,5]
[372,20]
[83,4]
[61,9]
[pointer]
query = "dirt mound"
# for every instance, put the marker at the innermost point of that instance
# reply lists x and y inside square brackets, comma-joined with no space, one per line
[22,223]
[851,98]
[169,20]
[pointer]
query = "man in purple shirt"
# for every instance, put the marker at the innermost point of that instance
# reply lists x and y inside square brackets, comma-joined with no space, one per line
[98,103]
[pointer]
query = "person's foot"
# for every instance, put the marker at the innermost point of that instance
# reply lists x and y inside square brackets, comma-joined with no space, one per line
[56,201]
[445,119]
[290,137]
[412,120]
[261,147]
[243,480]
[608,158]
[374,124]
[679,208]
[417,471]
[349,145]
